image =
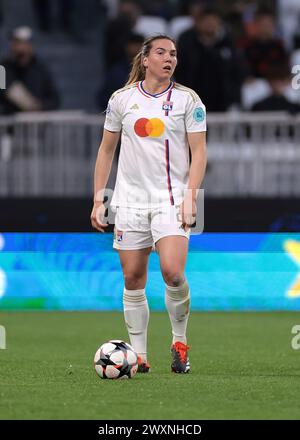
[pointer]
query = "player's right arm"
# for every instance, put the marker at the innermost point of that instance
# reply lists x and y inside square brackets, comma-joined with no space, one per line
[102,170]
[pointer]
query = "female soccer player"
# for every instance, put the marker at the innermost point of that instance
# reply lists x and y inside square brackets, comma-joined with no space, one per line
[156,188]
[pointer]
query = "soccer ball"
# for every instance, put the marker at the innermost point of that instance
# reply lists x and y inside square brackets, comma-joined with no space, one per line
[116,360]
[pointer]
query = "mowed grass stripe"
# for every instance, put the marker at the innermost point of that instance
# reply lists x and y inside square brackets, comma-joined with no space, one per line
[242,366]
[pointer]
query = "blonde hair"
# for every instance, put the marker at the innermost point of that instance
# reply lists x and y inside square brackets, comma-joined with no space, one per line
[138,71]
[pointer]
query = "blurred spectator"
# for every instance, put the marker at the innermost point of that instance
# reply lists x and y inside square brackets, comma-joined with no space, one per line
[238,17]
[29,85]
[45,13]
[240,14]
[183,22]
[149,25]
[279,80]
[117,75]
[119,29]
[289,19]
[185,7]
[264,50]
[296,40]
[1,13]
[110,7]
[1,23]
[254,90]
[209,63]
[159,8]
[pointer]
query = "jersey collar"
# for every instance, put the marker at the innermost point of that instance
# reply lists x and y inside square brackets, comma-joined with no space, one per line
[157,95]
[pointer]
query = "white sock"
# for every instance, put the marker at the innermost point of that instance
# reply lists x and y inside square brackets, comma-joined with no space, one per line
[136,314]
[177,301]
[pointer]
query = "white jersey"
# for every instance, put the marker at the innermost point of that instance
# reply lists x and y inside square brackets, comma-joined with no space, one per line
[154,163]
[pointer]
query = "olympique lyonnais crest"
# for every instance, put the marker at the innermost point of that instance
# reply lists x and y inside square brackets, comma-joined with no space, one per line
[167,105]
[119,235]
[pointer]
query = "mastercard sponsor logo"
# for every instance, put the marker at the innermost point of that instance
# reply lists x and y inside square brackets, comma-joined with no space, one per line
[153,127]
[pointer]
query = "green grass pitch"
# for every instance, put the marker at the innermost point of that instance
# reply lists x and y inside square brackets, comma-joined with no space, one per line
[242,366]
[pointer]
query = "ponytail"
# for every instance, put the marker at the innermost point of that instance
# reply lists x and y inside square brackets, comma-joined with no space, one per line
[137,72]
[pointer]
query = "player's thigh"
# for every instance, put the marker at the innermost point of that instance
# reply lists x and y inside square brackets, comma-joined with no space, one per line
[172,251]
[171,241]
[134,266]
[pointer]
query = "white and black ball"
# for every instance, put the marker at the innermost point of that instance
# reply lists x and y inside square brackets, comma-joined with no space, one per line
[116,359]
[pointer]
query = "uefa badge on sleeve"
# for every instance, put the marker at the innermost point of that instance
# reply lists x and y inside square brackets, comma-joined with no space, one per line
[199,114]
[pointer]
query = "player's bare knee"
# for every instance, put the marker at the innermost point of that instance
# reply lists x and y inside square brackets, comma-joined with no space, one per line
[134,281]
[173,278]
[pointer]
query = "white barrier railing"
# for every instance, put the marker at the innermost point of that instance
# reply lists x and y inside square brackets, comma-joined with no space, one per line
[53,154]
[254,154]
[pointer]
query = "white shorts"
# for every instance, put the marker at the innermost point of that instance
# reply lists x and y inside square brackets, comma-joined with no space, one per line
[137,228]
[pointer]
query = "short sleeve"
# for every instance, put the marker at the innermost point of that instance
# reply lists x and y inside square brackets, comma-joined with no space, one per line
[195,115]
[113,119]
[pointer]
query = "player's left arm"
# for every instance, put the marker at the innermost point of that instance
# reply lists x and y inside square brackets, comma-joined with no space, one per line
[197,143]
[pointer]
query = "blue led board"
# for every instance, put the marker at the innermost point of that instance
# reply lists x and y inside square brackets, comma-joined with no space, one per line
[61,271]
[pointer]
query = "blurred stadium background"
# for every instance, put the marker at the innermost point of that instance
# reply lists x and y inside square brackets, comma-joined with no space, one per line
[63,59]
